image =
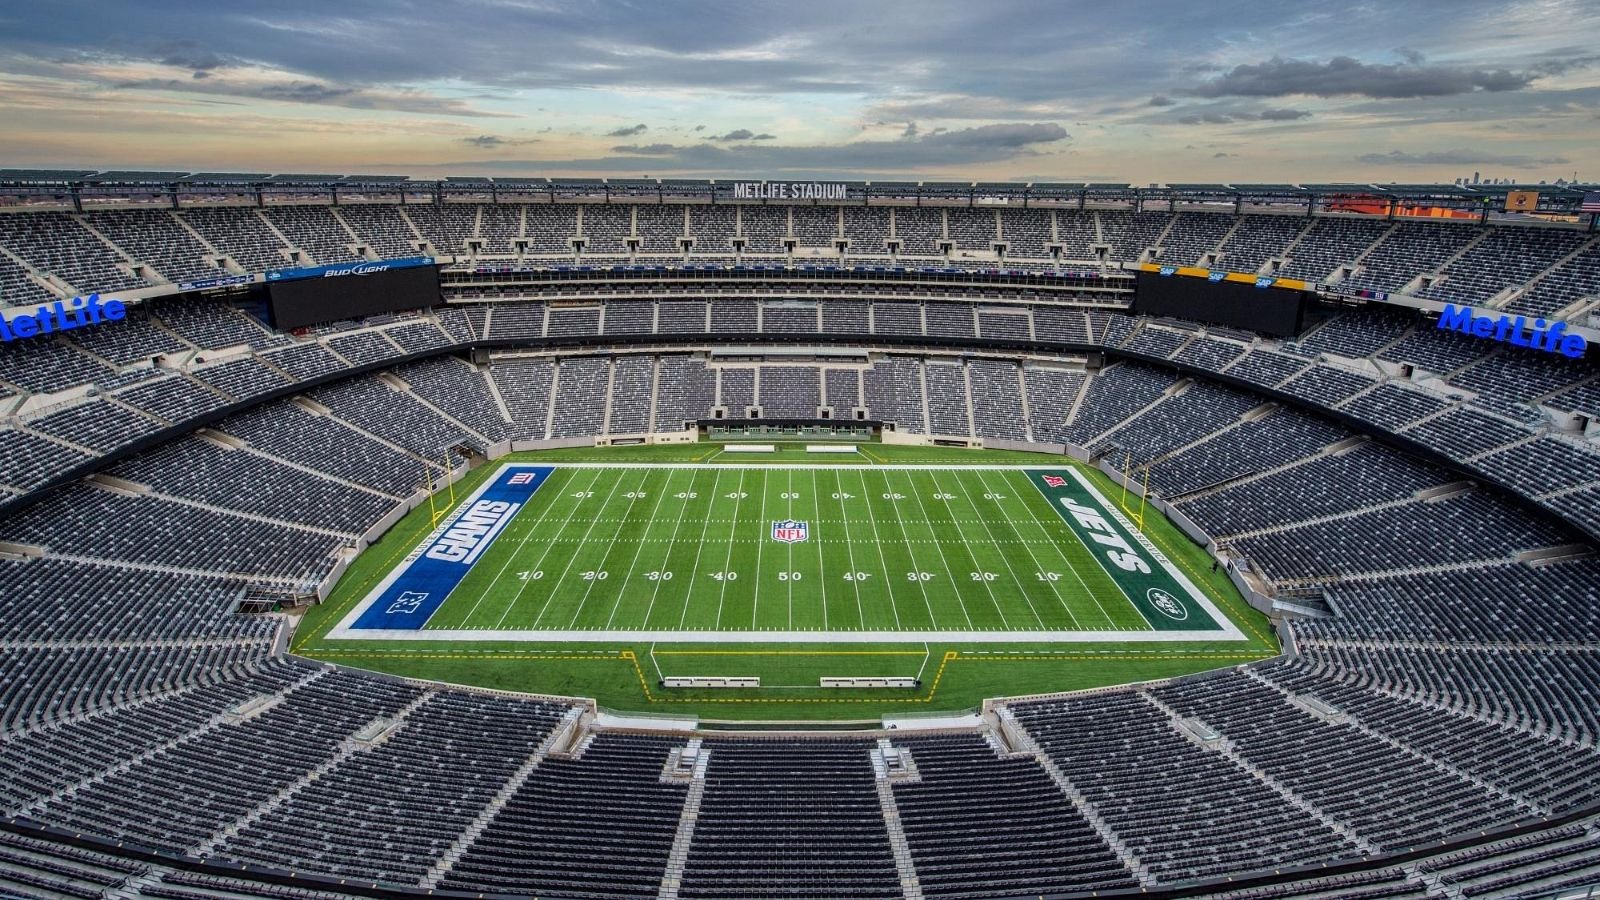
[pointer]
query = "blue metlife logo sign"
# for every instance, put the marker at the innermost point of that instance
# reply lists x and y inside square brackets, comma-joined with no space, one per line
[62,315]
[340,270]
[1548,338]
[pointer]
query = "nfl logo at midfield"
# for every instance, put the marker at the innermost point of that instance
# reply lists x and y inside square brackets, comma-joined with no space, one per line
[790,532]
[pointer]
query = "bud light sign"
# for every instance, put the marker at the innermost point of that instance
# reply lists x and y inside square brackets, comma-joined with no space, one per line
[340,270]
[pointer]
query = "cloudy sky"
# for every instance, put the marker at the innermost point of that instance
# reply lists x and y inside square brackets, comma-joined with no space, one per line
[1134,90]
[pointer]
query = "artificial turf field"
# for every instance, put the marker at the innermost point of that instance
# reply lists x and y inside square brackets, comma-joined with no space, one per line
[980,573]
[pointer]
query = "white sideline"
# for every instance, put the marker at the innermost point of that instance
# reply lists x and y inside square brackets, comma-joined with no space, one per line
[578,636]
[1225,632]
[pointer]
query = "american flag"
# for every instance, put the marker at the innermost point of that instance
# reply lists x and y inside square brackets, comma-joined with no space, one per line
[1591,203]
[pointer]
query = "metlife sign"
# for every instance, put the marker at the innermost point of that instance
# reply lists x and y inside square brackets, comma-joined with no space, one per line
[341,270]
[789,190]
[62,315]
[1537,335]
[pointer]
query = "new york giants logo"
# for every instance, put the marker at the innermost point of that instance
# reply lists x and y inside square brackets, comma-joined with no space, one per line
[523,477]
[408,602]
[790,532]
[1055,481]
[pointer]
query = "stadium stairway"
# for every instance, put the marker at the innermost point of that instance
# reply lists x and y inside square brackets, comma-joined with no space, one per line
[348,748]
[1340,447]
[1225,748]
[300,467]
[1531,806]
[903,861]
[678,856]
[1026,746]
[469,835]
[216,721]
[1332,517]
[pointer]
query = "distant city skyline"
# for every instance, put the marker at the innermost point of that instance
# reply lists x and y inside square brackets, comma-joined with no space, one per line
[1241,91]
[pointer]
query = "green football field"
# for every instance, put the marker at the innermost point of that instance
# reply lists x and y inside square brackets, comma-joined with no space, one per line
[891,562]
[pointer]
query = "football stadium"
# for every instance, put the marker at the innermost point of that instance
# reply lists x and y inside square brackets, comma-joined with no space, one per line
[765,536]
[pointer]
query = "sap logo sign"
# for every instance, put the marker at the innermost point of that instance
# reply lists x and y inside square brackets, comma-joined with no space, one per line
[60,316]
[470,534]
[1166,604]
[1265,281]
[1167,271]
[1550,339]
[1121,553]
[1215,277]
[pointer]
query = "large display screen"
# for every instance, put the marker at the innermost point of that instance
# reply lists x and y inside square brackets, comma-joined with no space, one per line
[309,301]
[1273,311]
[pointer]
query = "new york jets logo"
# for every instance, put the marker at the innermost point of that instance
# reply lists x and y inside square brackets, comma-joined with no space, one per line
[1167,605]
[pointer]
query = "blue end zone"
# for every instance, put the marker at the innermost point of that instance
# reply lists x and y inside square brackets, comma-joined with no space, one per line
[434,569]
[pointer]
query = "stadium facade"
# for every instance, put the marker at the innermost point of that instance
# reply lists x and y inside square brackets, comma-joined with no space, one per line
[1415,506]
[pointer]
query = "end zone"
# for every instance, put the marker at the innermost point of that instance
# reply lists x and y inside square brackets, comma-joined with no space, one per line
[419,585]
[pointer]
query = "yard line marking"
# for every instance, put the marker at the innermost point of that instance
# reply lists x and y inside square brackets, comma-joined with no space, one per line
[634,564]
[555,587]
[912,554]
[1004,557]
[609,547]
[955,587]
[510,558]
[755,604]
[866,497]
[850,549]
[1059,599]
[1097,561]
[689,597]
[517,598]
[822,575]
[961,532]
[732,530]
[673,542]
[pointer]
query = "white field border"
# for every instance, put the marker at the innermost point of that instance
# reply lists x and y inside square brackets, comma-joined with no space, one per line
[343,632]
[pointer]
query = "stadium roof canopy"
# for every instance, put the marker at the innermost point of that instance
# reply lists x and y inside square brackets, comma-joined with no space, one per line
[224,178]
[1423,190]
[1279,189]
[49,175]
[133,178]
[1342,187]
[53,184]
